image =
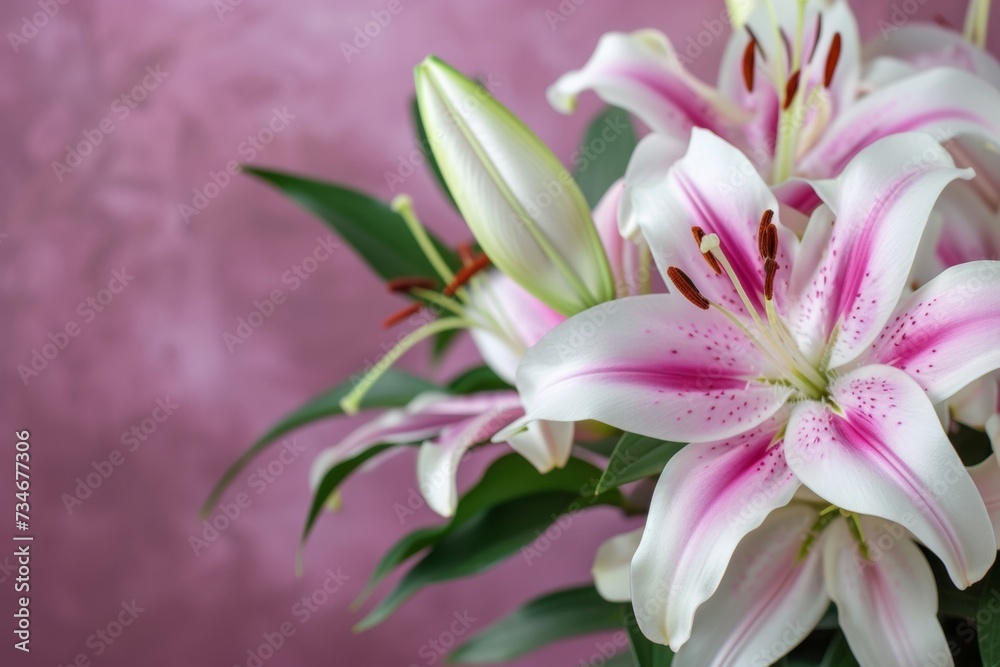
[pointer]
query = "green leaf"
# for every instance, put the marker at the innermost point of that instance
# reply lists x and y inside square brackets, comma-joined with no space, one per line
[604,155]
[567,613]
[989,618]
[839,654]
[428,152]
[476,546]
[375,232]
[481,378]
[333,479]
[393,389]
[636,457]
[645,652]
[507,478]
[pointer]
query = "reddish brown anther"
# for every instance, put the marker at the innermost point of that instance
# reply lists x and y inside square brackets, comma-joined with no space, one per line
[831,60]
[819,33]
[769,243]
[770,269]
[406,283]
[687,288]
[765,220]
[465,253]
[401,315]
[791,88]
[748,65]
[699,234]
[753,38]
[465,274]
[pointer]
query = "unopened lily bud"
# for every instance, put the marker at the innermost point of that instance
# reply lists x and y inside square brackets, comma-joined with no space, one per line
[522,205]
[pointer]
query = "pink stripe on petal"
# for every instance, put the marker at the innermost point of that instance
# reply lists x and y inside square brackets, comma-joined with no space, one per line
[947,334]
[654,365]
[883,452]
[708,498]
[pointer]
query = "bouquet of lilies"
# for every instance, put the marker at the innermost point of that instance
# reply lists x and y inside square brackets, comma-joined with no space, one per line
[771,327]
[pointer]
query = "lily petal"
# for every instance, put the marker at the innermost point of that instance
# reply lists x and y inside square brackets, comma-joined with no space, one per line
[882,452]
[708,498]
[522,317]
[642,73]
[438,460]
[653,365]
[545,444]
[945,334]
[882,201]
[612,563]
[652,158]
[769,600]
[767,96]
[886,605]
[927,45]
[943,102]
[425,417]
[715,187]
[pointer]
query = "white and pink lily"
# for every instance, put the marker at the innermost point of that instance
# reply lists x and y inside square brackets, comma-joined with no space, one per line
[784,363]
[505,320]
[782,579]
[788,90]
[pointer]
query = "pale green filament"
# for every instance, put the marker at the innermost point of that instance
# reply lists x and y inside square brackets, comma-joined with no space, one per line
[352,402]
[404,206]
[977,22]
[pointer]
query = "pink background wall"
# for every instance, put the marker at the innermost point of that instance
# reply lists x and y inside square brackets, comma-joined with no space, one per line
[62,235]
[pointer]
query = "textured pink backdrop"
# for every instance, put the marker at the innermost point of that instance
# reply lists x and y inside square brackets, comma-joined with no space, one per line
[63,234]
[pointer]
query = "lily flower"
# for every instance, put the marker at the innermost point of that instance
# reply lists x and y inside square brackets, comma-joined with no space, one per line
[782,579]
[522,205]
[787,93]
[784,364]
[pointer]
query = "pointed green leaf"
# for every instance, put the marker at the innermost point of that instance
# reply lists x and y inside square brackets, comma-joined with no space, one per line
[604,155]
[475,546]
[333,478]
[393,389]
[989,618]
[636,457]
[567,613]
[507,478]
[376,233]
[481,378]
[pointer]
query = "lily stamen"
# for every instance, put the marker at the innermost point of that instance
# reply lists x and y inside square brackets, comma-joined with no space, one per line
[466,273]
[791,88]
[832,58]
[401,315]
[687,288]
[408,283]
[748,65]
